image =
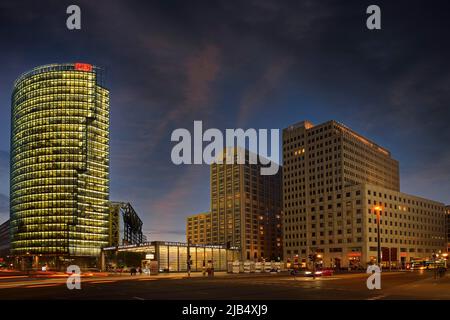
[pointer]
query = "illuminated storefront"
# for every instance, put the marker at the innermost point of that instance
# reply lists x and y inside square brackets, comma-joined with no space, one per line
[59,163]
[171,256]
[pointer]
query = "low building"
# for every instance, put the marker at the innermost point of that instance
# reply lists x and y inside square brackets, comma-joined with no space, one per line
[198,228]
[411,228]
[5,242]
[169,256]
[125,226]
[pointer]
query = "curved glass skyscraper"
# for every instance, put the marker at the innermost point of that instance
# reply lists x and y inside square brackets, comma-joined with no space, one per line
[59,162]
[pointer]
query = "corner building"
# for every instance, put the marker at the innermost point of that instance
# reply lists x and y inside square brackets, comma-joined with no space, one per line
[59,188]
[333,178]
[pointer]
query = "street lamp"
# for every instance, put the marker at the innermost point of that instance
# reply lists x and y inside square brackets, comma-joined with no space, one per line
[378,213]
[189,257]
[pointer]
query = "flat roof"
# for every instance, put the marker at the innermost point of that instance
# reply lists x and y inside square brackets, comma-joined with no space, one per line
[166,243]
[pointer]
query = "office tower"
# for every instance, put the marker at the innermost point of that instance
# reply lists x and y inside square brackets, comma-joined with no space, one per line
[59,186]
[246,209]
[198,228]
[335,181]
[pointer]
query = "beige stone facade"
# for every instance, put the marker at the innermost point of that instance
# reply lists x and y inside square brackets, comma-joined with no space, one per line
[333,178]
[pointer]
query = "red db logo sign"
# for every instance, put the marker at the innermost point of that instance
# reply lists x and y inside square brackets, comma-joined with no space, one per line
[83,66]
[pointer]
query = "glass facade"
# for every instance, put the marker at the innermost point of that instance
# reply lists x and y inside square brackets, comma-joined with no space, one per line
[173,256]
[163,258]
[60,161]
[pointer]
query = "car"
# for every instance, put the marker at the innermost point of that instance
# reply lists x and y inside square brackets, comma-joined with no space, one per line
[325,272]
[273,270]
[301,272]
[309,273]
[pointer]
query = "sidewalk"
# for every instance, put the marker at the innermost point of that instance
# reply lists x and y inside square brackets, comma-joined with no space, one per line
[46,274]
[184,275]
[179,275]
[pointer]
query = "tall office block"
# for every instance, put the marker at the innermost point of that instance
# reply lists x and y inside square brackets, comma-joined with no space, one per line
[246,209]
[59,163]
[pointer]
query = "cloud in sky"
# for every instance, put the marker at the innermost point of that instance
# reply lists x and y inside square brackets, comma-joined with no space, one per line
[261,89]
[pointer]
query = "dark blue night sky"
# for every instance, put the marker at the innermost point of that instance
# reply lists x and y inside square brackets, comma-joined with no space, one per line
[247,64]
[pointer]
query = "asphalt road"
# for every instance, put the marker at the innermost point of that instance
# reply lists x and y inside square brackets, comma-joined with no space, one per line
[395,285]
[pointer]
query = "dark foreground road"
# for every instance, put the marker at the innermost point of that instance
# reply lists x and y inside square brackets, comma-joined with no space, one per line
[401,285]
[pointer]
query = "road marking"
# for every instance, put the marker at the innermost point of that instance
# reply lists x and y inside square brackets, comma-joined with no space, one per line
[377,297]
[102,281]
[310,279]
[43,285]
[13,277]
[147,279]
[138,298]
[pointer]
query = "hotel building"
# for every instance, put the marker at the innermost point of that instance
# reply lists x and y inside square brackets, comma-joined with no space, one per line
[246,209]
[59,164]
[335,181]
[198,228]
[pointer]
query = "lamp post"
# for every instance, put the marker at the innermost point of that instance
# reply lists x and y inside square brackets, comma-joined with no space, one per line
[378,213]
[189,257]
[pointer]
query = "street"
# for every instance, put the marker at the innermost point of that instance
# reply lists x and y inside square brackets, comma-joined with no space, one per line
[394,285]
